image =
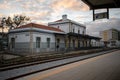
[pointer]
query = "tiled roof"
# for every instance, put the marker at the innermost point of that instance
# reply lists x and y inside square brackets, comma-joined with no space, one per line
[67,20]
[34,25]
[60,20]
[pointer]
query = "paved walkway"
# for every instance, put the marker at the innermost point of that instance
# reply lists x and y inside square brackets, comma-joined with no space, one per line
[33,68]
[104,67]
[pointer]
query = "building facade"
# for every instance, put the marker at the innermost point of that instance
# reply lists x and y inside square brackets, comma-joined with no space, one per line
[111,37]
[68,26]
[75,34]
[35,38]
[61,35]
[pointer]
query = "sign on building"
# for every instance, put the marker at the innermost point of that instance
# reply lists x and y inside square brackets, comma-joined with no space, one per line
[100,15]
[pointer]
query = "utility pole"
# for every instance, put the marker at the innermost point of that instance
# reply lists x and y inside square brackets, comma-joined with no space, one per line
[107,13]
[93,14]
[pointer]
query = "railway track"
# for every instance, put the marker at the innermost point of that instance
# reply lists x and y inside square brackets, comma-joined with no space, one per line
[44,66]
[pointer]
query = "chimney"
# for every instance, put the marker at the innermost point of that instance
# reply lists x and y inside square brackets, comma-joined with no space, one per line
[64,17]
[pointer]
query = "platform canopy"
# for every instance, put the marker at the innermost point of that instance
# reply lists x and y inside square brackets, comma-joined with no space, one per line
[99,4]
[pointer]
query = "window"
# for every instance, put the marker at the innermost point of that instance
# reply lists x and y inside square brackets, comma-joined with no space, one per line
[73,30]
[26,34]
[38,40]
[83,32]
[58,41]
[73,43]
[13,43]
[48,42]
[78,31]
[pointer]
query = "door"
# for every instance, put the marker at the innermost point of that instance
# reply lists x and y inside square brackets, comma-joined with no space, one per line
[38,41]
[73,43]
[12,46]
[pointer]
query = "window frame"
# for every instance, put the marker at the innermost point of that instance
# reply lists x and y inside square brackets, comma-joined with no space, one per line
[48,42]
[38,42]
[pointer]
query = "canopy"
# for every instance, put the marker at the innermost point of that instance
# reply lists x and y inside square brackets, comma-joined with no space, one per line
[99,4]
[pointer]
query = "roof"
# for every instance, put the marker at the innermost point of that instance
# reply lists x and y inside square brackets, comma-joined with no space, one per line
[99,4]
[34,25]
[60,20]
[65,21]
[84,36]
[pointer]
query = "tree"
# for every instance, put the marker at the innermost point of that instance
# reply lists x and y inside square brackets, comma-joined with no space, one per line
[14,22]
[11,23]
[2,23]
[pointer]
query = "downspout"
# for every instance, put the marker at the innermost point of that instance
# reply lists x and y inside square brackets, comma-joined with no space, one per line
[55,43]
[31,40]
[69,32]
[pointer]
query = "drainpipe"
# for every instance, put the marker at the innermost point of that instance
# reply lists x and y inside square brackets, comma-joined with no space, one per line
[55,43]
[70,28]
[93,14]
[31,40]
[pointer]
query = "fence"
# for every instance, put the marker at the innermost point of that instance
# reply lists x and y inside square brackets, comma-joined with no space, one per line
[25,47]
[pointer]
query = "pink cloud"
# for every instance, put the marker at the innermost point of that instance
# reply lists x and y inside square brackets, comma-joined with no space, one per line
[69,4]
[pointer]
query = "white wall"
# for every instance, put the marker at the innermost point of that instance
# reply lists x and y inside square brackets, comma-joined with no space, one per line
[62,26]
[94,43]
[25,36]
[43,36]
[78,27]
[20,37]
[68,27]
[117,43]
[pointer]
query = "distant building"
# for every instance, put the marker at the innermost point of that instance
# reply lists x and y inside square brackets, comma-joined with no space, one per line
[111,37]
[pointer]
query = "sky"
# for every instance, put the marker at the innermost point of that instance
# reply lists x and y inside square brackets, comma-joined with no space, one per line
[44,11]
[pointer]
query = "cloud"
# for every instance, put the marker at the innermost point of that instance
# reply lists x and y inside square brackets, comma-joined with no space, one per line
[49,10]
[1,15]
[36,9]
[94,28]
[75,5]
[42,10]
[39,17]
[5,5]
[82,16]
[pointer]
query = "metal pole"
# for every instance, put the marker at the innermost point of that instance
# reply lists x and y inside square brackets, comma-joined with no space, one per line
[107,13]
[31,41]
[93,15]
